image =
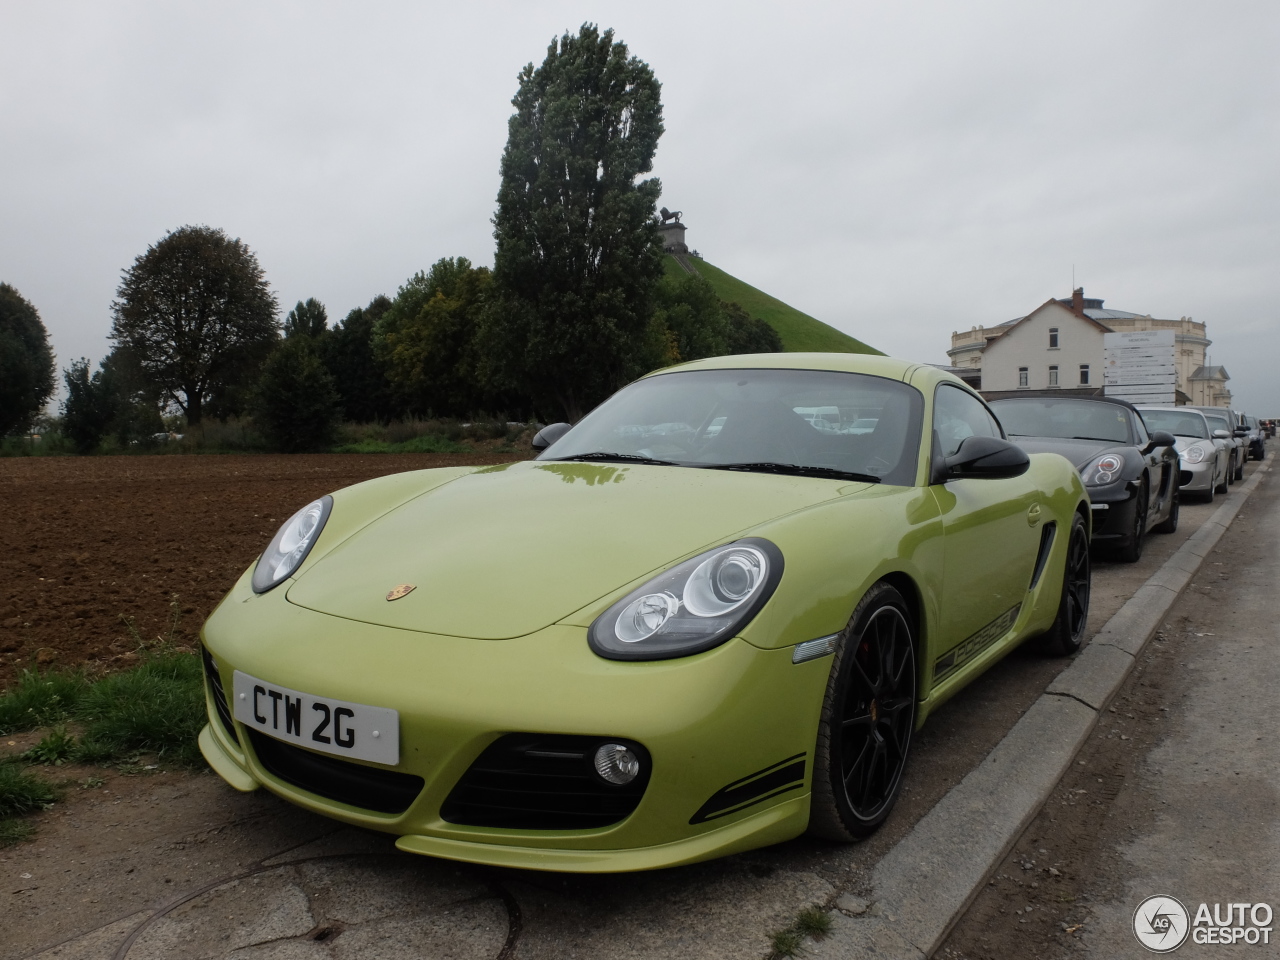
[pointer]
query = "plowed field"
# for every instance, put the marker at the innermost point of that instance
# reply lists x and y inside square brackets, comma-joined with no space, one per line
[100,553]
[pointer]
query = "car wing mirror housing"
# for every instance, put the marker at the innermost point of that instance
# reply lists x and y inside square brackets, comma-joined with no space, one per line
[549,435]
[1159,438]
[1222,434]
[989,458]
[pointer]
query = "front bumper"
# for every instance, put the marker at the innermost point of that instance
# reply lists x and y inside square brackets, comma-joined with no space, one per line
[1113,507]
[1196,477]
[709,722]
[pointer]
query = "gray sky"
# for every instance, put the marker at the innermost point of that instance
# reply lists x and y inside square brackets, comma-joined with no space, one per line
[898,170]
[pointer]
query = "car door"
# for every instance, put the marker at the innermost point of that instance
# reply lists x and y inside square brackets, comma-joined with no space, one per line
[991,537]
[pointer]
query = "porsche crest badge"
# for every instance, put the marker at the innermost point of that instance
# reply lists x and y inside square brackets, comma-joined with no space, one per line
[403,590]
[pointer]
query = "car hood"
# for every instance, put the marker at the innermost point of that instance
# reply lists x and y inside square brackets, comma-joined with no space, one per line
[509,550]
[1079,452]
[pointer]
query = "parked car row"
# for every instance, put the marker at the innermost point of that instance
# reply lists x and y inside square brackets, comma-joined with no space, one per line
[1136,462]
[1131,473]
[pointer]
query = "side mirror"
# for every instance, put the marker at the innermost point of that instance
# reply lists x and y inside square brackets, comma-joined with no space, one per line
[549,435]
[1221,435]
[988,458]
[1242,431]
[1159,438]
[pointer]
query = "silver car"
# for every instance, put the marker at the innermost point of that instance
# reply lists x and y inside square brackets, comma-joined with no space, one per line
[1204,459]
[1221,418]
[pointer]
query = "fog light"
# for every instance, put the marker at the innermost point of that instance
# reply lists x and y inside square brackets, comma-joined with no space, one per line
[616,763]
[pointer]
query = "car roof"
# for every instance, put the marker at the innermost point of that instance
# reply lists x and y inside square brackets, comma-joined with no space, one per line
[1165,406]
[876,366]
[1051,395]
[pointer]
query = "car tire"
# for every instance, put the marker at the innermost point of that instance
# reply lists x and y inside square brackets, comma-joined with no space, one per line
[1222,487]
[868,719]
[1130,550]
[1067,633]
[1240,468]
[1231,469]
[1170,523]
[1208,495]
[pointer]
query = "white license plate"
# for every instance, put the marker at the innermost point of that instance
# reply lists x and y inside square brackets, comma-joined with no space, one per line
[338,727]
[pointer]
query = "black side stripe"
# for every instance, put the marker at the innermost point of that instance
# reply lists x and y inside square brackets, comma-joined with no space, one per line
[755,788]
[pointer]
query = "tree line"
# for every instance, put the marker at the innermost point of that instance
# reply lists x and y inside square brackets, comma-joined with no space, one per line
[577,304]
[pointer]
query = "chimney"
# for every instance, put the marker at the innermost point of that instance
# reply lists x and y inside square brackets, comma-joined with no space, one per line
[1077,299]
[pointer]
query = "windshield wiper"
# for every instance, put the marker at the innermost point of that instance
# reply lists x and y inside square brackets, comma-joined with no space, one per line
[1099,439]
[794,469]
[605,456]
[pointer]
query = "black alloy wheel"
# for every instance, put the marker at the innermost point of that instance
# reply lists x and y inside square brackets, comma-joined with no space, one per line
[1067,633]
[868,718]
[1130,550]
[1170,523]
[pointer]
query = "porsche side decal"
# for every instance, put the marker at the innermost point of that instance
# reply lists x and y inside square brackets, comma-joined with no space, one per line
[971,647]
[755,788]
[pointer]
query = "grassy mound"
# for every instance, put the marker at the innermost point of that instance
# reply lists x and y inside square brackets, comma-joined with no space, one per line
[799,331]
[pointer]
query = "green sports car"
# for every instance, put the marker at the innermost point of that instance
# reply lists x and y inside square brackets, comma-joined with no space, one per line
[708,617]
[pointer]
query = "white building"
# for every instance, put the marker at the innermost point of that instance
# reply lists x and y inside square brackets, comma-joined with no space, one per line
[1058,346]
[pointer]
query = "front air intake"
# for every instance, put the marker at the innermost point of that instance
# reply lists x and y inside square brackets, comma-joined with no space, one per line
[542,782]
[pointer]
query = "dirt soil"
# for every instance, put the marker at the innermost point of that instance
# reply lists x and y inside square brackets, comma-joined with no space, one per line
[97,553]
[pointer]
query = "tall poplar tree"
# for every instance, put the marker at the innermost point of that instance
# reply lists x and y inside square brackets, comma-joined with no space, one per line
[578,254]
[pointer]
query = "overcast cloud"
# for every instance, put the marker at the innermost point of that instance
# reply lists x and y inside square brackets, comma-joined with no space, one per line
[898,170]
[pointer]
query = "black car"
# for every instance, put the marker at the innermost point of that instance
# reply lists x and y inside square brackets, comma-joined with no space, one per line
[1131,473]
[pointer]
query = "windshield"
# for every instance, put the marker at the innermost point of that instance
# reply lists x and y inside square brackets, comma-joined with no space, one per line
[1217,423]
[1178,422]
[818,420]
[1066,418]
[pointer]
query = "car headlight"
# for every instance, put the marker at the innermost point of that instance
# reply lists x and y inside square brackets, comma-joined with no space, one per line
[291,545]
[692,607]
[1193,454]
[1102,470]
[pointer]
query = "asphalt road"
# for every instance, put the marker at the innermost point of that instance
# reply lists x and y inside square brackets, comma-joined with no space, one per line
[180,865]
[1176,794]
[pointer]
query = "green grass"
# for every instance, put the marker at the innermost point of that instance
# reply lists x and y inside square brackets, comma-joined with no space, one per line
[799,331]
[20,792]
[156,707]
[812,922]
[55,748]
[425,444]
[41,699]
[15,831]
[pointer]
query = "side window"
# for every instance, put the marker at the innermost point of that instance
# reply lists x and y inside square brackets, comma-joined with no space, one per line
[958,414]
[1141,429]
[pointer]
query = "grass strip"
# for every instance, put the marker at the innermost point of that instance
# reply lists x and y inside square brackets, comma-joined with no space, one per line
[156,707]
[42,699]
[20,792]
[425,444]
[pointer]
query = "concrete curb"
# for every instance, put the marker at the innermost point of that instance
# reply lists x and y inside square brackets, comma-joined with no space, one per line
[926,882]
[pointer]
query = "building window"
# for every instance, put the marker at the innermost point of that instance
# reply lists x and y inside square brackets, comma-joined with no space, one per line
[1053,338]
[1022,376]
[1053,376]
[1084,374]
